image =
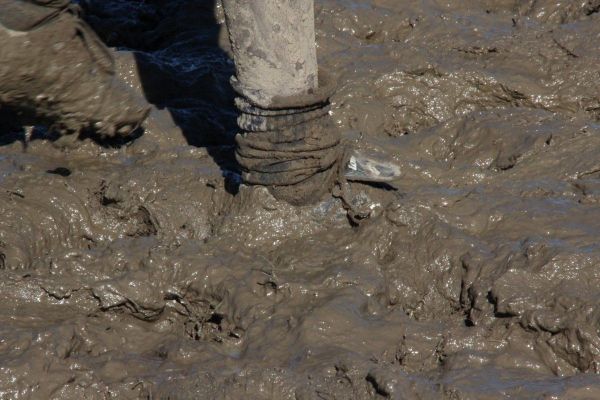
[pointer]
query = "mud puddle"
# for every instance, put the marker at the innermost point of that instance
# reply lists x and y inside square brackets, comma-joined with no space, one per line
[143,270]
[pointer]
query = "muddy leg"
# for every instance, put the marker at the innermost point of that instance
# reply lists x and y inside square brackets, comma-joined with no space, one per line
[274,45]
[287,143]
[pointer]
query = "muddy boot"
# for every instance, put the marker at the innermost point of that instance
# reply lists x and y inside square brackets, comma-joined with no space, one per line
[54,67]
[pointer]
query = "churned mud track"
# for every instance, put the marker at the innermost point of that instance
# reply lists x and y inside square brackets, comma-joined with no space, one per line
[141,270]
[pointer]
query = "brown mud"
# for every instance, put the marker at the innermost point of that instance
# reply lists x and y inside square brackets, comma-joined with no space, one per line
[134,271]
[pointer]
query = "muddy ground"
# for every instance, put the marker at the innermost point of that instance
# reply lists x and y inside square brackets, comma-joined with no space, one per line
[143,270]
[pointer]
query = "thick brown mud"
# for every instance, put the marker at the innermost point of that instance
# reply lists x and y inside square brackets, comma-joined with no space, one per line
[143,270]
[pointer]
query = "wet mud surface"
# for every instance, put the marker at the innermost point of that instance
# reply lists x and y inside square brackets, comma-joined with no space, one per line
[143,270]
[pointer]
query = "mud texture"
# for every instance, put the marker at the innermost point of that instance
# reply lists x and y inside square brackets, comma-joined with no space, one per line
[143,270]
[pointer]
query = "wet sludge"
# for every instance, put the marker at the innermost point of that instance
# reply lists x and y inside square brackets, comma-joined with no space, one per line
[145,272]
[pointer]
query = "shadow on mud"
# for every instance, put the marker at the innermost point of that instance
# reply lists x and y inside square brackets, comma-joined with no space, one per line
[181,66]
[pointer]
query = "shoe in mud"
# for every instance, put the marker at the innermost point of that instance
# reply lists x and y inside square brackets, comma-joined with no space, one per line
[55,69]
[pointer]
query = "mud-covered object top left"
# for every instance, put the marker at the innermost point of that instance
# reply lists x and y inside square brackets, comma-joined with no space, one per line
[24,15]
[55,68]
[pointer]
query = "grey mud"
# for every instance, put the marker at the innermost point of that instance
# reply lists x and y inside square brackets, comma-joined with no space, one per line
[141,270]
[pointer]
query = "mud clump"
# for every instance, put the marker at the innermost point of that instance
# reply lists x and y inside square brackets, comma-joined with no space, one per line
[145,271]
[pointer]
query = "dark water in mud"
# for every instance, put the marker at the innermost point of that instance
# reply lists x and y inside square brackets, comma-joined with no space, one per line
[134,272]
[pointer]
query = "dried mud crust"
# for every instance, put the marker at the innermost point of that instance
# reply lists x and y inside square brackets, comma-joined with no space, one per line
[134,273]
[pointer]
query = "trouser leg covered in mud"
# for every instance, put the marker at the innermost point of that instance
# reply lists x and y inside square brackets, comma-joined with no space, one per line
[287,141]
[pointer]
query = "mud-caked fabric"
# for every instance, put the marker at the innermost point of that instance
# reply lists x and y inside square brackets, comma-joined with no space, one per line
[60,72]
[292,148]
